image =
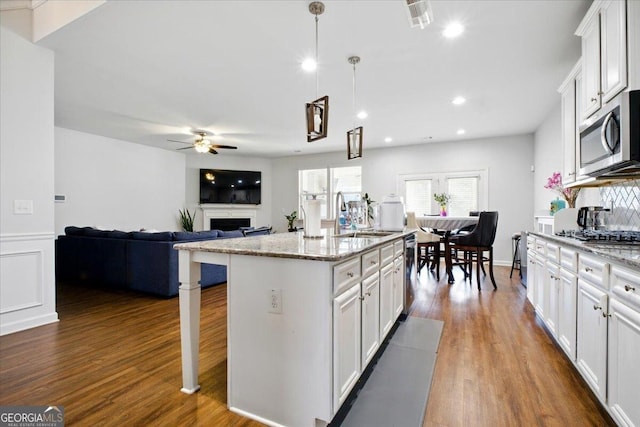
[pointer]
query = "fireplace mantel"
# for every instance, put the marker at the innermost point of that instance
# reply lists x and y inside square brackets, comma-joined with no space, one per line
[227,211]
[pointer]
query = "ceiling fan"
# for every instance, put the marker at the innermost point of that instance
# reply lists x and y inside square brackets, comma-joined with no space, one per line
[202,144]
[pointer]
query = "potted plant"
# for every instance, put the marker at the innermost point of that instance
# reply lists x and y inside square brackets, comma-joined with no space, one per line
[442,199]
[186,219]
[290,218]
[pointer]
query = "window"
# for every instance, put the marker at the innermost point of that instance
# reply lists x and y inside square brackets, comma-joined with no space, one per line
[468,191]
[325,183]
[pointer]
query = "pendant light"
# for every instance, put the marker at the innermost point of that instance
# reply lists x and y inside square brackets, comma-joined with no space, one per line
[317,112]
[354,136]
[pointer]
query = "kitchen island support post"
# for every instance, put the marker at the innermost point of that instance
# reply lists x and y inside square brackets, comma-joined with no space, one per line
[189,294]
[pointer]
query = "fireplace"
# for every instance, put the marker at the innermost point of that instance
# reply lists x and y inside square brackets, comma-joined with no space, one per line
[227,218]
[228,224]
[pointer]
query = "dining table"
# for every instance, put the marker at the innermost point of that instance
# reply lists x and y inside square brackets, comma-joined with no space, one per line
[444,225]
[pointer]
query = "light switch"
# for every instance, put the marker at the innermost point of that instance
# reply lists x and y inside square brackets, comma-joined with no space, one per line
[23,207]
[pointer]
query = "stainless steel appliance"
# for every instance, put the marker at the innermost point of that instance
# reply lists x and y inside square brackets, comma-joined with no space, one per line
[410,274]
[610,139]
[593,218]
[615,238]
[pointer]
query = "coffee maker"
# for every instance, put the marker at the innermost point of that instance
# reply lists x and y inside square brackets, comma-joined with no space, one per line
[591,218]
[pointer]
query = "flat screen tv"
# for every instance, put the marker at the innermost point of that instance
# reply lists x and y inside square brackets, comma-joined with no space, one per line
[230,187]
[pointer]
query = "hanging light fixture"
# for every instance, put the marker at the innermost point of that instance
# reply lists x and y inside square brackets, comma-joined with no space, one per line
[354,136]
[317,112]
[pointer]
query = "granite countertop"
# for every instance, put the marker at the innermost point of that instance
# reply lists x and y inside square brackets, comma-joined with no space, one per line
[629,255]
[329,247]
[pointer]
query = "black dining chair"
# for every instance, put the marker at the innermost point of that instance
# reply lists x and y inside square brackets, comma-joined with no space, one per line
[474,245]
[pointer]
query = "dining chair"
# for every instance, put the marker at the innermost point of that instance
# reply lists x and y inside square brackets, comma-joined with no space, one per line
[475,244]
[428,245]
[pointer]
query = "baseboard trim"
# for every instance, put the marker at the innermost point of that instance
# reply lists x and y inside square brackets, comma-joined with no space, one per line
[32,322]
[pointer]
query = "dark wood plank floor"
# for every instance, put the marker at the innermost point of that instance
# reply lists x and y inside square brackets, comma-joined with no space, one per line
[114,359]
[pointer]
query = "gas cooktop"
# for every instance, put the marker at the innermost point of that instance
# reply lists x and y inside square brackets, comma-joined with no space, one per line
[608,237]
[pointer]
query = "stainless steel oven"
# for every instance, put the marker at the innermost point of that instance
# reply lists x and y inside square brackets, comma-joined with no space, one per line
[610,139]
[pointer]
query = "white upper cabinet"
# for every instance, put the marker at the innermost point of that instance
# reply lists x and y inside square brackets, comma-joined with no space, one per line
[569,95]
[604,53]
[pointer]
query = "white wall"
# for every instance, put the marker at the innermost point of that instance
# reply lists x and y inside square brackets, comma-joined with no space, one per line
[116,184]
[27,284]
[507,159]
[195,162]
[547,160]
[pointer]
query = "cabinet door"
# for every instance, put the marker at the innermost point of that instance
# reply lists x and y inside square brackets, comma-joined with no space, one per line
[552,282]
[591,67]
[567,295]
[346,343]
[624,369]
[613,48]
[531,278]
[370,318]
[398,287]
[386,300]
[541,287]
[591,349]
[568,112]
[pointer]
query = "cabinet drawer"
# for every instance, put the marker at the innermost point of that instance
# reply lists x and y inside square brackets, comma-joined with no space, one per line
[569,260]
[553,253]
[345,274]
[625,284]
[398,248]
[593,270]
[386,254]
[540,247]
[370,262]
[531,242]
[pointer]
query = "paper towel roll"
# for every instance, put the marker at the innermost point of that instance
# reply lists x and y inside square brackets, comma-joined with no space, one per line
[312,218]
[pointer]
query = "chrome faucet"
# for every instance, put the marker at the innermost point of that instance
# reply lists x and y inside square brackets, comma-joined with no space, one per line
[340,206]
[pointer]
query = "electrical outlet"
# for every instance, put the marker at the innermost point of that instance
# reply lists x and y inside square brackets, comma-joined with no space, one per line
[275,301]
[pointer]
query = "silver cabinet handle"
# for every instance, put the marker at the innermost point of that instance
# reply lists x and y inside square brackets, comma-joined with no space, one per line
[361,298]
[629,288]
[588,269]
[368,294]
[605,314]
[349,274]
[597,307]
[594,99]
[372,262]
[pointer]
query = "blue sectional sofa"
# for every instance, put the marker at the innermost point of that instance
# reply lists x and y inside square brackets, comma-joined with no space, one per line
[140,261]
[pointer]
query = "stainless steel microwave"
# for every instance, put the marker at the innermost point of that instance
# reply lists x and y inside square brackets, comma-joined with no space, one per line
[610,139]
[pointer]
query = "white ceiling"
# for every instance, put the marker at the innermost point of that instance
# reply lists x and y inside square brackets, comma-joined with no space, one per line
[148,71]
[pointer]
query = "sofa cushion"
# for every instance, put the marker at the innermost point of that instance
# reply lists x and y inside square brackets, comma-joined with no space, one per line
[195,235]
[76,231]
[162,236]
[229,234]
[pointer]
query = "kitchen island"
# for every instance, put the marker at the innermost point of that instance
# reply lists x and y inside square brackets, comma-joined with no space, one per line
[304,318]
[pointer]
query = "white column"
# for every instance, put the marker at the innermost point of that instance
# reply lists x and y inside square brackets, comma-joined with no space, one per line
[189,294]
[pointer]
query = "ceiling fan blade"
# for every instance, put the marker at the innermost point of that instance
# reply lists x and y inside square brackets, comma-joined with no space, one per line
[225,146]
[185,148]
[181,142]
[212,151]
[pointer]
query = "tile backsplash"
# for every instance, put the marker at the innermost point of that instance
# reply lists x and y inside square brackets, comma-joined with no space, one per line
[624,201]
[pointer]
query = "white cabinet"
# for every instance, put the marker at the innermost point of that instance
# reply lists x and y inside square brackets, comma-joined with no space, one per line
[386,299]
[604,53]
[624,368]
[531,277]
[347,314]
[592,337]
[624,346]
[569,91]
[541,277]
[370,317]
[398,287]
[567,296]
[552,282]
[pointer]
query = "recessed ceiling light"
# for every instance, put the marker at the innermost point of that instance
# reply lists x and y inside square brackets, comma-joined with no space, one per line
[388,139]
[458,100]
[309,64]
[460,132]
[362,115]
[453,30]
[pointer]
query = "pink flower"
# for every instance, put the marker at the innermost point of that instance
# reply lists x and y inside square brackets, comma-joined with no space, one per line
[554,182]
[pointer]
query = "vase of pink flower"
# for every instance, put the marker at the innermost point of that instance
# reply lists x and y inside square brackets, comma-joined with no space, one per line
[554,182]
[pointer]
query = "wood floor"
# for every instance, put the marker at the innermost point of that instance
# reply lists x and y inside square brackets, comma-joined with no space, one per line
[114,359]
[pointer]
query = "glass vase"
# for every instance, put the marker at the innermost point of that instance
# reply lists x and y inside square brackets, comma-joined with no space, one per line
[443,210]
